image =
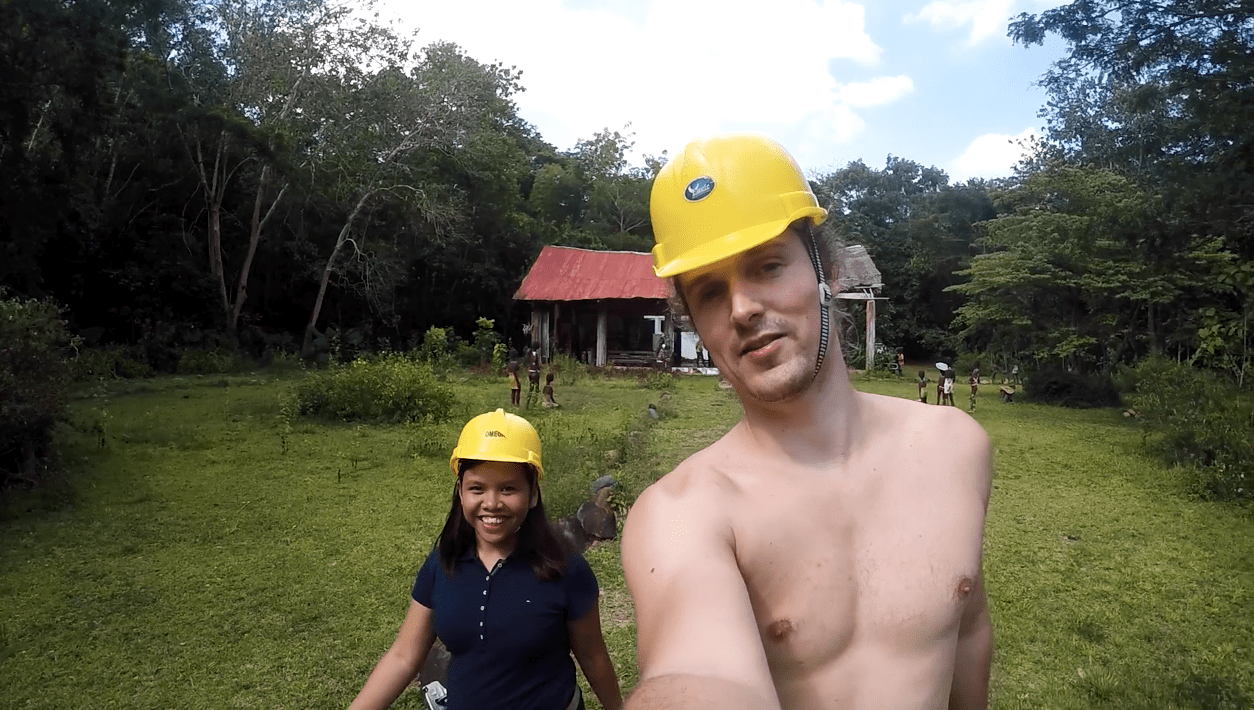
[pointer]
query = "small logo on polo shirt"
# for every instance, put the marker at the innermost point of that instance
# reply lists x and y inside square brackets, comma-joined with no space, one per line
[495,434]
[699,189]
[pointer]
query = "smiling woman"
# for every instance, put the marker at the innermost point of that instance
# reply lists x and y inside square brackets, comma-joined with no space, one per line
[506,598]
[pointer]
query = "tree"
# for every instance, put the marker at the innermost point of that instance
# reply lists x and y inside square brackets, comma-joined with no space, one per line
[617,196]
[34,385]
[557,195]
[269,108]
[393,115]
[1060,281]
[1163,92]
[56,61]
[918,230]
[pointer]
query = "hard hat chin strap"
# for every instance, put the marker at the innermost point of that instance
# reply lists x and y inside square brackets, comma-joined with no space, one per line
[825,300]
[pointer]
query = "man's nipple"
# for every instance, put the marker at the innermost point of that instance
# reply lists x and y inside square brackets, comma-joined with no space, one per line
[963,590]
[780,630]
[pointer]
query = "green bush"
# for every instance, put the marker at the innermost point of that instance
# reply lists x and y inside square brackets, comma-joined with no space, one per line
[283,361]
[392,388]
[1204,421]
[1070,389]
[464,354]
[35,380]
[658,380]
[966,361]
[500,355]
[567,371]
[885,362]
[209,362]
[108,363]
[482,351]
[434,349]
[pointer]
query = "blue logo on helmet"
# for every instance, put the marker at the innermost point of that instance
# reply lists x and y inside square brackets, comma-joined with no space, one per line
[699,189]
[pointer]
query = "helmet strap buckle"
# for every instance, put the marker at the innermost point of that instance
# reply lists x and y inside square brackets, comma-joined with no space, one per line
[825,294]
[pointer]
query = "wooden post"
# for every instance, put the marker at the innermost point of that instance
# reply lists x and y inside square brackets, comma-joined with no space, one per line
[870,334]
[602,334]
[544,336]
[557,328]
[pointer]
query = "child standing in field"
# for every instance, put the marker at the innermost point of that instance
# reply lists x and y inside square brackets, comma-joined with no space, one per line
[948,388]
[974,381]
[922,386]
[515,387]
[533,374]
[548,392]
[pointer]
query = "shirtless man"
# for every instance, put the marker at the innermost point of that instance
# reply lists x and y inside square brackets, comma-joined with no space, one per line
[815,557]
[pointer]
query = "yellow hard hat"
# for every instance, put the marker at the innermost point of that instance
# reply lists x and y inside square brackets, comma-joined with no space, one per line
[498,436]
[723,195]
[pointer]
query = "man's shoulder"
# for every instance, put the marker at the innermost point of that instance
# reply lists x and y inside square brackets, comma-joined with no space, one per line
[696,491]
[921,423]
[696,477]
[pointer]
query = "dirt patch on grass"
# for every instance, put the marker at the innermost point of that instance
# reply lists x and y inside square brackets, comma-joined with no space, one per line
[617,609]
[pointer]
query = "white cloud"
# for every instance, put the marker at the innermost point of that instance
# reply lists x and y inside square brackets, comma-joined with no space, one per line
[882,90]
[689,69]
[987,18]
[991,155]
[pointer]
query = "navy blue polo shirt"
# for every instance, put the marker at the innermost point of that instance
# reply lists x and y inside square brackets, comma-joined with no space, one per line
[506,630]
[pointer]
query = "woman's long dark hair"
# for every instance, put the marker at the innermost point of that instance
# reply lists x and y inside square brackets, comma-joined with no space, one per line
[537,543]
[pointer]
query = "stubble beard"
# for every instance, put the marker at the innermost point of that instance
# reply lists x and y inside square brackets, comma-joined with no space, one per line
[783,382]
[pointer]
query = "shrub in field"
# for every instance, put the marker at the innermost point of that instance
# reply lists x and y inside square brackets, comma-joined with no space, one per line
[1071,389]
[658,380]
[567,370]
[486,340]
[500,355]
[1204,420]
[392,388]
[34,385]
[209,362]
[434,349]
[963,364]
[464,354]
[108,363]
[283,361]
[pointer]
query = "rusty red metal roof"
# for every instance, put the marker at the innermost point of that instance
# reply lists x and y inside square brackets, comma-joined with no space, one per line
[570,274]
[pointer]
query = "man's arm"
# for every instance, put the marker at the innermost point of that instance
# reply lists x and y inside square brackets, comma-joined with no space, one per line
[697,639]
[974,655]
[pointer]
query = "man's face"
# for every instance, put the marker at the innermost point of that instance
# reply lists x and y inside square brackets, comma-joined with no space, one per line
[757,313]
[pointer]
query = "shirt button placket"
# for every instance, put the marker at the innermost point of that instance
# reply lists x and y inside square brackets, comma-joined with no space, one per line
[483,609]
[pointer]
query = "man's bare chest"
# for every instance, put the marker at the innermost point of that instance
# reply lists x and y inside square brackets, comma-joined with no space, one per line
[827,569]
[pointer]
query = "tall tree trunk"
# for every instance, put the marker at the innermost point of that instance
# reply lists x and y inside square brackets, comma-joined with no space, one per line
[215,249]
[306,348]
[213,182]
[254,237]
[258,223]
[1153,333]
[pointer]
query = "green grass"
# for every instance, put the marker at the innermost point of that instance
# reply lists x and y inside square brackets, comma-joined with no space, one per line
[216,554]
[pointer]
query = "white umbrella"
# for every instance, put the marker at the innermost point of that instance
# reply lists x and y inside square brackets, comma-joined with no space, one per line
[942,366]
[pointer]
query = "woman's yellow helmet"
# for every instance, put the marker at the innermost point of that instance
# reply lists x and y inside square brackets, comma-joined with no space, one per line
[498,436]
[723,195]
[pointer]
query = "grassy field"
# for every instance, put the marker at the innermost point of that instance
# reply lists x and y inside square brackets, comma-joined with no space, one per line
[216,552]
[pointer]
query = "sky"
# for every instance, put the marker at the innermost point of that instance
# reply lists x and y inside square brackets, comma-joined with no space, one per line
[933,81]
